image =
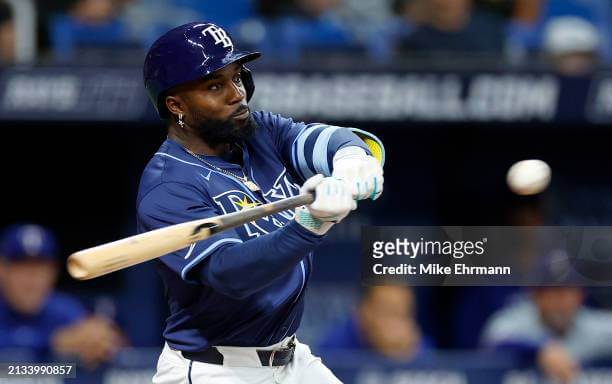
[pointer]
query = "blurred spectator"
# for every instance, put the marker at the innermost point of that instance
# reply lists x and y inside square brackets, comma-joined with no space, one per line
[383,39]
[596,12]
[89,25]
[362,13]
[311,26]
[368,20]
[7,34]
[571,45]
[553,329]
[384,323]
[522,16]
[34,317]
[146,20]
[227,13]
[451,26]
[503,7]
[274,8]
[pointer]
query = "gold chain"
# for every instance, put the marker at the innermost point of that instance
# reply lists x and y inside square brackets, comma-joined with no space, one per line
[244,179]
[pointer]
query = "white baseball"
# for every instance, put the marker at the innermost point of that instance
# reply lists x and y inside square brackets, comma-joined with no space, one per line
[528,177]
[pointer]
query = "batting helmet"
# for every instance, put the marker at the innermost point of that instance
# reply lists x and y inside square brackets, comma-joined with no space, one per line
[189,52]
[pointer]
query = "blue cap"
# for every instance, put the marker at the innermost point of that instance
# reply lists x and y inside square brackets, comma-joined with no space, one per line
[27,242]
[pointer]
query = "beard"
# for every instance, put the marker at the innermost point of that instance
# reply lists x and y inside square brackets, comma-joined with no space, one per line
[215,131]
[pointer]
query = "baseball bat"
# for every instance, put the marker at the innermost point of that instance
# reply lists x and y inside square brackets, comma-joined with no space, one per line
[111,257]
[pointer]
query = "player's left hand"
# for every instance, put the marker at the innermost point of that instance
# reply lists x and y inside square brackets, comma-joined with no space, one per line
[361,171]
[332,203]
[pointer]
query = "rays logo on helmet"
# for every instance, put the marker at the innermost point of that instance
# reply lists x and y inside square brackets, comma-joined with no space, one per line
[219,35]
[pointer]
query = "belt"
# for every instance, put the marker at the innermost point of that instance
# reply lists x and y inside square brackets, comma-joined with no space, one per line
[268,358]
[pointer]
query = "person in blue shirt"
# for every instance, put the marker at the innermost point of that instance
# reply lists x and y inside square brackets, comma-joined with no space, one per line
[309,26]
[34,319]
[450,27]
[383,323]
[87,27]
[552,329]
[236,299]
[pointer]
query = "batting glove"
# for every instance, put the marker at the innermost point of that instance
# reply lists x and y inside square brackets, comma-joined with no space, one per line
[333,202]
[363,173]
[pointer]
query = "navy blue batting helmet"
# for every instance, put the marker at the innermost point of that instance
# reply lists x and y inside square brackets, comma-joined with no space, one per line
[189,52]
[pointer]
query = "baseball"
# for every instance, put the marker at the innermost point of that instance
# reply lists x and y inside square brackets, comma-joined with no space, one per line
[528,177]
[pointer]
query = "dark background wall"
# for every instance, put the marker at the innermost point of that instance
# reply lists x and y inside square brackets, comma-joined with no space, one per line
[81,179]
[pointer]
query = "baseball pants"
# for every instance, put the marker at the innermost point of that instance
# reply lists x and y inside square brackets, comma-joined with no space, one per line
[241,366]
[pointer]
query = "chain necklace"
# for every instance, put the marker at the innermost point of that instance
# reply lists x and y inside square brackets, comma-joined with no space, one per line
[244,179]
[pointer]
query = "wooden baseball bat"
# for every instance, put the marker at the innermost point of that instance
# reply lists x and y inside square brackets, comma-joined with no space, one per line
[111,257]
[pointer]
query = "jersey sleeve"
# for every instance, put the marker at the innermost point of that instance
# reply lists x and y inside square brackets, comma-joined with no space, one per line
[173,203]
[308,148]
[223,262]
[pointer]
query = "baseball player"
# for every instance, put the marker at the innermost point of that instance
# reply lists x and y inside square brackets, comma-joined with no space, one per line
[236,299]
[36,318]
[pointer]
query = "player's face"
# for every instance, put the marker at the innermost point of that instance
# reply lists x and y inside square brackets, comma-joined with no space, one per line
[387,318]
[558,306]
[216,107]
[26,284]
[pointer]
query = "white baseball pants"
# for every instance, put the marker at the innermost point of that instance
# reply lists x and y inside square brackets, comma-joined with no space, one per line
[241,366]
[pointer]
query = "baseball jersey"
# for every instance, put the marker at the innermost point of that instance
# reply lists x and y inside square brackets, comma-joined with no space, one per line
[519,328]
[245,286]
[34,332]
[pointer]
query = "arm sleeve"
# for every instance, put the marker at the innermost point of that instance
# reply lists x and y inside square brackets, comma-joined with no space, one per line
[243,269]
[309,148]
[223,262]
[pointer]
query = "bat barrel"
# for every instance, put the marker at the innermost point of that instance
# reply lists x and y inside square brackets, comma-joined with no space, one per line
[76,268]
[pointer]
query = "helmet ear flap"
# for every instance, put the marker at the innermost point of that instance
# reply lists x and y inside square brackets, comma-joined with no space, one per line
[249,84]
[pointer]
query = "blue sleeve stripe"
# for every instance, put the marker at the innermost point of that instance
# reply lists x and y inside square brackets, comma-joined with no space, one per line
[294,154]
[302,164]
[309,145]
[205,253]
[319,153]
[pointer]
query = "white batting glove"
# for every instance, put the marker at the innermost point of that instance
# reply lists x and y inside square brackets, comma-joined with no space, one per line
[363,172]
[333,202]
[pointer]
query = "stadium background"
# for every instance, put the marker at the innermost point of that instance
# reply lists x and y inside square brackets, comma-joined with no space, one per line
[78,130]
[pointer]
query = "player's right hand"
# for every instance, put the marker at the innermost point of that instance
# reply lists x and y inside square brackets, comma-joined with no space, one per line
[333,202]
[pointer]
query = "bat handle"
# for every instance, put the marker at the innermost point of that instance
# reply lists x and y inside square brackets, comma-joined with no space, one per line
[306,198]
[234,219]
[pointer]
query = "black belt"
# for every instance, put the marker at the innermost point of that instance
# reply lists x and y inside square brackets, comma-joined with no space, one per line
[268,358]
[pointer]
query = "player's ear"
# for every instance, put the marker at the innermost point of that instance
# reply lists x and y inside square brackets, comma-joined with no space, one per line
[174,104]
